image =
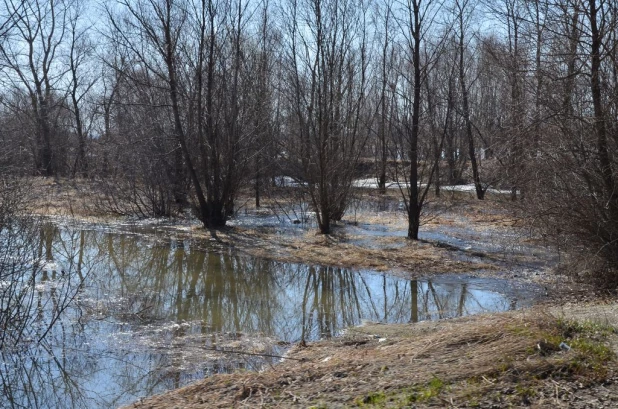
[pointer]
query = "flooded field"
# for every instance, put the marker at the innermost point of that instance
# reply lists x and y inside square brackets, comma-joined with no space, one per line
[142,315]
[508,248]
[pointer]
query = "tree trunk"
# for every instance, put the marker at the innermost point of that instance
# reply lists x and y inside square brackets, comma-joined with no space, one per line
[599,115]
[414,205]
[480,192]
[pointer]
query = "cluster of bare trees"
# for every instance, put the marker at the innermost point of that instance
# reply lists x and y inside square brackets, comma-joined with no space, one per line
[171,103]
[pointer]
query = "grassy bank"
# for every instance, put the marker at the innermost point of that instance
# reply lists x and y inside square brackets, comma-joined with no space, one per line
[499,360]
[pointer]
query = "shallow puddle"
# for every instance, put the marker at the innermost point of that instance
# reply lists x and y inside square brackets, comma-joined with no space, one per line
[152,315]
[506,248]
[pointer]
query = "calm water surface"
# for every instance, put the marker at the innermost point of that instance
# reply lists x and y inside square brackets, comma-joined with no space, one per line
[152,315]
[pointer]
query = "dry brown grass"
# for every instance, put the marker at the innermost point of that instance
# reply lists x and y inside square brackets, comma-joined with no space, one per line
[452,363]
[413,259]
[63,197]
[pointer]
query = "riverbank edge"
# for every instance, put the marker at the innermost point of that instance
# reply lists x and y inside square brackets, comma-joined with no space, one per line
[529,358]
[415,259]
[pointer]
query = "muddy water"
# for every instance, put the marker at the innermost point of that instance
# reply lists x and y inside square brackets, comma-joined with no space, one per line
[151,315]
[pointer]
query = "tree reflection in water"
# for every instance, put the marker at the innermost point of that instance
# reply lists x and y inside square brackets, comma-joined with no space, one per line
[154,315]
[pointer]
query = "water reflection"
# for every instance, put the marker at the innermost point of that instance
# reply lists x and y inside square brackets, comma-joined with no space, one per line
[152,316]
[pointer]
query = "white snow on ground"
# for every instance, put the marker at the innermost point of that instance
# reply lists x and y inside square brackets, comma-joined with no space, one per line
[51,266]
[287,181]
[471,188]
[372,183]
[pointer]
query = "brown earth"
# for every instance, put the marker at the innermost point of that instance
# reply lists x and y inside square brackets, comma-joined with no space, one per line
[497,360]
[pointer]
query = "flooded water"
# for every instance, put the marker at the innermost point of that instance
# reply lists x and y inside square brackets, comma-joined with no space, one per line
[508,248]
[149,315]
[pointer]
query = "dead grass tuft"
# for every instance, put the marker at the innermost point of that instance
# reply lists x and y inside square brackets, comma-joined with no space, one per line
[396,255]
[455,362]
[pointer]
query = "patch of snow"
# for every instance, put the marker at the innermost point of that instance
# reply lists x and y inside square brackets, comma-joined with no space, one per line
[288,181]
[46,286]
[472,188]
[365,183]
[51,265]
[372,183]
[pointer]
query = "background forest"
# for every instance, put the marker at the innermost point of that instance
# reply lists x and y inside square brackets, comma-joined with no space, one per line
[167,105]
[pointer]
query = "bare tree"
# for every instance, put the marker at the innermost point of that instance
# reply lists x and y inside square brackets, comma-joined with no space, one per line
[200,67]
[441,105]
[416,26]
[385,22]
[575,198]
[30,53]
[512,59]
[327,55]
[264,62]
[463,15]
[81,55]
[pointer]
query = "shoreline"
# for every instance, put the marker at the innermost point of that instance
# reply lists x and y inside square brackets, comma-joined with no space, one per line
[355,245]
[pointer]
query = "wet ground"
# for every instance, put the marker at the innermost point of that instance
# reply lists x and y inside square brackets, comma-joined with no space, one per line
[510,248]
[157,307]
